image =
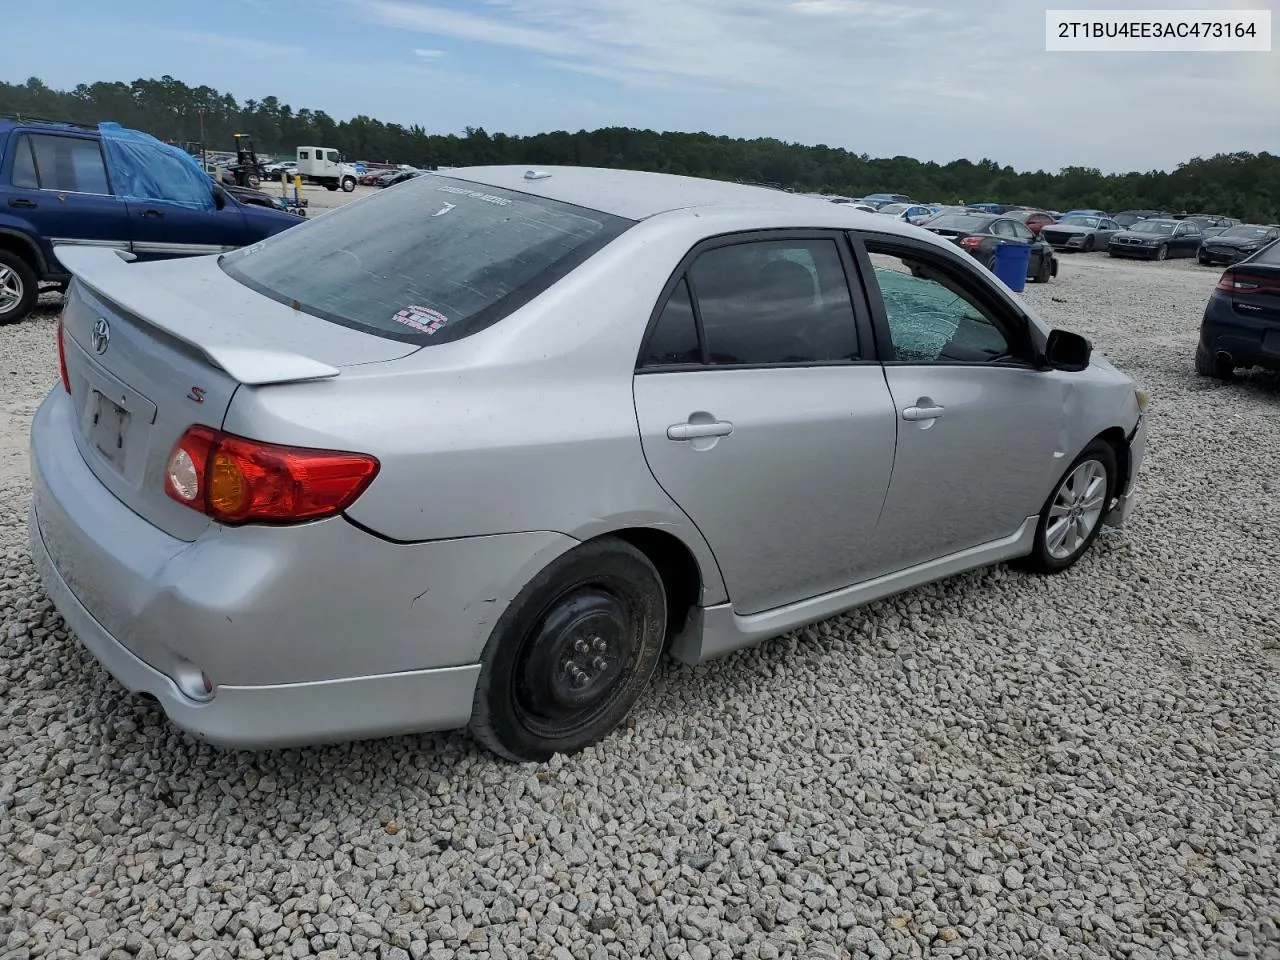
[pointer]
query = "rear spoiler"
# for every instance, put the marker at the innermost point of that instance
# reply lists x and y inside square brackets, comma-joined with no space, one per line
[107,272]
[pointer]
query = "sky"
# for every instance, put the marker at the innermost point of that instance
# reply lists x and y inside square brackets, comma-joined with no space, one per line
[931,79]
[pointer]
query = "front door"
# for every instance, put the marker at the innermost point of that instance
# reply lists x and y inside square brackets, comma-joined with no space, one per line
[59,181]
[765,416]
[977,450]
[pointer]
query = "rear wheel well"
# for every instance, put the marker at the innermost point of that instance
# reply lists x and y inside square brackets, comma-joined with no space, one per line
[681,578]
[22,248]
[1114,437]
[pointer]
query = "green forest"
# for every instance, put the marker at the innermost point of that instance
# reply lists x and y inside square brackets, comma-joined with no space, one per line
[1245,185]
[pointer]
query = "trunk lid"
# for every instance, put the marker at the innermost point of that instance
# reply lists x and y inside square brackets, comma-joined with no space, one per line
[154,348]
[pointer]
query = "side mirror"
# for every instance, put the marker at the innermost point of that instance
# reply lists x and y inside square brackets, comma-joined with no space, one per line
[1067,351]
[219,197]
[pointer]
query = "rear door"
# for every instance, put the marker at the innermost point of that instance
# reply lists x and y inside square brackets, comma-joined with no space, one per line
[977,423]
[764,414]
[60,186]
[1186,239]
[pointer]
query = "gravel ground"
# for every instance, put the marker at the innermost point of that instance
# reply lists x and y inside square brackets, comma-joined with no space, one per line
[993,766]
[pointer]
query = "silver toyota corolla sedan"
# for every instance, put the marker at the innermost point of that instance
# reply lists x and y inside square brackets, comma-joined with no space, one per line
[478,450]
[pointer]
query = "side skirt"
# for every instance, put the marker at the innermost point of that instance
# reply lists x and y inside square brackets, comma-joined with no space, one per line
[715,631]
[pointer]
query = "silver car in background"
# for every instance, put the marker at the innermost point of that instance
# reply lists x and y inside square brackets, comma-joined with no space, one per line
[479,450]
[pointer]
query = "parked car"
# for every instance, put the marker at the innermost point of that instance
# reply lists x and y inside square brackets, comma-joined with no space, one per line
[910,212]
[1241,324]
[1127,218]
[1236,243]
[1210,226]
[55,190]
[400,176]
[878,200]
[1080,232]
[1035,220]
[1157,239]
[979,234]
[417,493]
[1083,213]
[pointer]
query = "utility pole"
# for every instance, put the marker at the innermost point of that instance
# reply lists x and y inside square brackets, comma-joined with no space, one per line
[204,164]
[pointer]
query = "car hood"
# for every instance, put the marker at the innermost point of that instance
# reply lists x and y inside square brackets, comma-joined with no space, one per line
[1068,228]
[1127,234]
[1238,243]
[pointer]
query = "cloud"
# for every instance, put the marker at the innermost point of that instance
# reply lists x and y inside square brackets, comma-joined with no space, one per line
[430,54]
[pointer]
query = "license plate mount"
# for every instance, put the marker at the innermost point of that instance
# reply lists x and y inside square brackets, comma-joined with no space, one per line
[109,429]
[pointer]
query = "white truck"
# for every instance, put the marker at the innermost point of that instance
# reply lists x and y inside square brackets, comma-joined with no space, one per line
[325,166]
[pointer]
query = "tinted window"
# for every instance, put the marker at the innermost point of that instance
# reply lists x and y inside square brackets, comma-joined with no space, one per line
[1162,227]
[304,155]
[1021,232]
[675,336]
[775,301]
[931,318]
[434,260]
[24,167]
[1247,233]
[333,156]
[1268,255]
[71,164]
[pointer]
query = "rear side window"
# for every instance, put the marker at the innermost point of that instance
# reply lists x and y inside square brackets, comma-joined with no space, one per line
[24,166]
[434,260]
[69,164]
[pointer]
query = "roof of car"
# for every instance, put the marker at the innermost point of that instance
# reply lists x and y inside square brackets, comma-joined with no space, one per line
[632,194]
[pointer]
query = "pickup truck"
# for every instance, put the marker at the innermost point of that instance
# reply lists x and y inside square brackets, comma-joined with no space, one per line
[56,188]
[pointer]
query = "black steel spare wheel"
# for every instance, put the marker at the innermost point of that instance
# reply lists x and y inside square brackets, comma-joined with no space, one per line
[571,654]
[572,660]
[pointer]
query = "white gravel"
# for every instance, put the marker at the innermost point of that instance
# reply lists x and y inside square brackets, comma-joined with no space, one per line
[995,766]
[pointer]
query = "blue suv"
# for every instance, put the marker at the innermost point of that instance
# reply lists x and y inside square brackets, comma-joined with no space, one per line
[56,187]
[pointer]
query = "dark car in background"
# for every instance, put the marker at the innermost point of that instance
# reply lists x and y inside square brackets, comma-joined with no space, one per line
[1236,243]
[1157,239]
[1127,218]
[1080,232]
[399,176]
[1210,224]
[979,234]
[1241,324]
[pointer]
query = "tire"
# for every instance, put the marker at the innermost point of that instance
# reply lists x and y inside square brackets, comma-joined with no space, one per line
[1112,253]
[331,187]
[1210,366]
[1045,271]
[1097,462]
[1162,251]
[18,288]
[348,184]
[601,602]
[1088,244]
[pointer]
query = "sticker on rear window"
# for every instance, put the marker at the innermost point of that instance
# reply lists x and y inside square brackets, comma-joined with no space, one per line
[422,319]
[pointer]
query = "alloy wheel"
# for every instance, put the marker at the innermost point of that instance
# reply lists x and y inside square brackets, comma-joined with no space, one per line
[10,289]
[1077,509]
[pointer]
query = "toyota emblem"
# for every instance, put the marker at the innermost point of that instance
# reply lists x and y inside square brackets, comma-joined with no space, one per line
[101,336]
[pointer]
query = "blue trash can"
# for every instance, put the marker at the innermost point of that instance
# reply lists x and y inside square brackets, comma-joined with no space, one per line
[1011,264]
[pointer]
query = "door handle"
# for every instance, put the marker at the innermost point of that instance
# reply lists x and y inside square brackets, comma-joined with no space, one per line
[22,202]
[694,431]
[153,214]
[922,413]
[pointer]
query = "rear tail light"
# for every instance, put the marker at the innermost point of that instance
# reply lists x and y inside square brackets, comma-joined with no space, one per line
[235,480]
[971,243]
[1235,281]
[62,359]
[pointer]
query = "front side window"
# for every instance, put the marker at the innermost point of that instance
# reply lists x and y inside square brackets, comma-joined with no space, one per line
[775,301]
[68,164]
[931,317]
[434,260]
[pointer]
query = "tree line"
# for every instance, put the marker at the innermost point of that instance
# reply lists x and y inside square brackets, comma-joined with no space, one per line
[1244,185]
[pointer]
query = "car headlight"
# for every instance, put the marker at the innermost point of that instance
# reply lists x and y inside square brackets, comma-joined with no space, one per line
[1141,396]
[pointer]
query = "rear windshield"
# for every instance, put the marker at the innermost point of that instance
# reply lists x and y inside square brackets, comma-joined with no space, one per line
[959,221]
[1247,232]
[429,261]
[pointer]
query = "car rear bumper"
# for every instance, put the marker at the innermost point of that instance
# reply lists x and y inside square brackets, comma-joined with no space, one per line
[1127,502]
[309,634]
[1251,343]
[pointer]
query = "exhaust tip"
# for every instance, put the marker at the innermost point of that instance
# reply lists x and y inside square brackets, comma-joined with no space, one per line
[1223,357]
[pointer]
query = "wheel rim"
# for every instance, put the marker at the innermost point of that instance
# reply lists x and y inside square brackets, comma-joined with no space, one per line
[573,661]
[1162,252]
[1076,510]
[10,288]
